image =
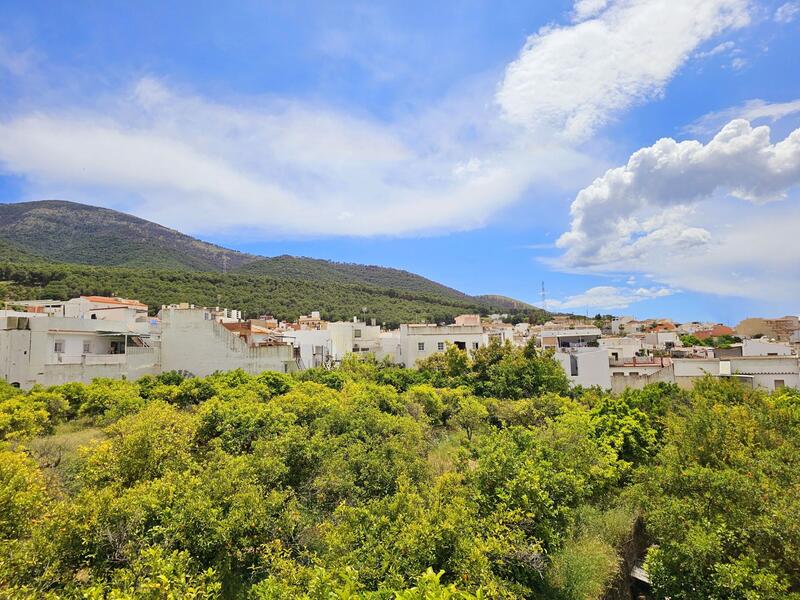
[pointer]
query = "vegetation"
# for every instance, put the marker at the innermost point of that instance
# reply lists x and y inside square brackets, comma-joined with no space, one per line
[59,249]
[76,233]
[470,477]
[720,341]
[253,294]
[315,269]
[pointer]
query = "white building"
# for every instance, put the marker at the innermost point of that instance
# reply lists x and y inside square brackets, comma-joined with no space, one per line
[618,324]
[580,337]
[194,342]
[410,343]
[620,348]
[758,347]
[356,337]
[661,340]
[763,372]
[50,350]
[314,346]
[585,366]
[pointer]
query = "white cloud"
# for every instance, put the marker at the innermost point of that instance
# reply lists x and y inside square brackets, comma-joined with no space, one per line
[788,12]
[738,63]
[722,48]
[277,166]
[15,62]
[606,297]
[576,78]
[586,9]
[666,214]
[753,110]
[281,166]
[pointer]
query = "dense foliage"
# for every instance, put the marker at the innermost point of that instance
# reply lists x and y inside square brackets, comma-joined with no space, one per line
[66,234]
[470,477]
[720,341]
[76,233]
[253,294]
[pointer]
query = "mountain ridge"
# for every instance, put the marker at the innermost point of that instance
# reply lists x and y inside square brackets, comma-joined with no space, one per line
[71,233]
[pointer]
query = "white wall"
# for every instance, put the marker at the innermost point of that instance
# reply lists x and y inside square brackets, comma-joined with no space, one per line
[28,357]
[433,338]
[765,348]
[314,345]
[346,336]
[624,348]
[191,341]
[591,365]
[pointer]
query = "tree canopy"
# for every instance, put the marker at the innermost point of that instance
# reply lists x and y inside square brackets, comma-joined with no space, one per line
[471,477]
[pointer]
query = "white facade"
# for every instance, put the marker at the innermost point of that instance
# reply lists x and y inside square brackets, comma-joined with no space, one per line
[620,348]
[410,343]
[51,350]
[193,341]
[758,347]
[618,324]
[764,372]
[314,345]
[354,337]
[661,340]
[585,366]
[579,337]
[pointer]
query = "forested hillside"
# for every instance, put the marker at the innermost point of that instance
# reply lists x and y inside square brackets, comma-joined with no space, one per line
[68,233]
[76,233]
[254,294]
[471,477]
[314,269]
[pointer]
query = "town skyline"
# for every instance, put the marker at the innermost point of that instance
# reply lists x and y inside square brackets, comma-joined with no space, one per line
[659,179]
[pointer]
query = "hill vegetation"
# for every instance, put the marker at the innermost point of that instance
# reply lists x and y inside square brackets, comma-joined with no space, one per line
[314,269]
[471,477]
[76,233]
[62,241]
[254,294]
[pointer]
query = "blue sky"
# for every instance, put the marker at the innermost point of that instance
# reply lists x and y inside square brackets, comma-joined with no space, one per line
[488,145]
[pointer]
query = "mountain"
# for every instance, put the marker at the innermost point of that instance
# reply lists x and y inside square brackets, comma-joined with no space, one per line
[77,233]
[74,248]
[505,302]
[315,269]
[12,252]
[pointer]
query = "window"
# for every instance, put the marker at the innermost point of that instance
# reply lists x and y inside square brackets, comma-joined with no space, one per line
[475,345]
[58,347]
[87,347]
[420,346]
[779,383]
[357,333]
[440,346]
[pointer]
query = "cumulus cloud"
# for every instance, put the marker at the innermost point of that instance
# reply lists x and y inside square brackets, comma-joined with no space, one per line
[606,297]
[662,212]
[788,12]
[289,167]
[662,181]
[575,78]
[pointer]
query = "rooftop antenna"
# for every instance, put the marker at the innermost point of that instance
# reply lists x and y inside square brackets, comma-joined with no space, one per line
[544,298]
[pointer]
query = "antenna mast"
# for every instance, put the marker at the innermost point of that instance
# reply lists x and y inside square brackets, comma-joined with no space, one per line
[224,264]
[544,298]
